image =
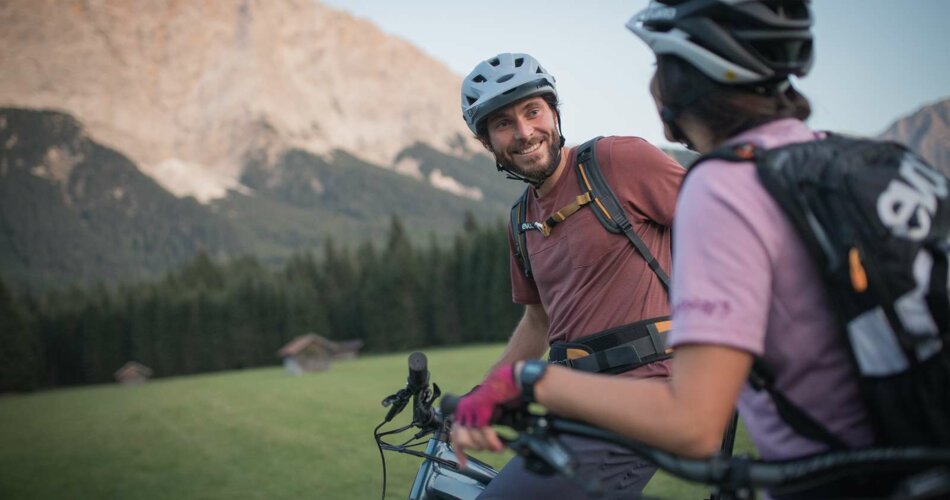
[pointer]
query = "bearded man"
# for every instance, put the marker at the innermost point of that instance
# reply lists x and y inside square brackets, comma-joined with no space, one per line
[580,281]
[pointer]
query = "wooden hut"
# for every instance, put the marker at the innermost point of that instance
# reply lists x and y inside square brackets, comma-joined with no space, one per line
[313,353]
[133,373]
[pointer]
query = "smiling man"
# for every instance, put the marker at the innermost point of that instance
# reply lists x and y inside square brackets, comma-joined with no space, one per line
[577,280]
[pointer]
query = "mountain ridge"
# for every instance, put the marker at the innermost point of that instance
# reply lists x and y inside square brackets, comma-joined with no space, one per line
[130,142]
[208,84]
[72,209]
[76,212]
[926,131]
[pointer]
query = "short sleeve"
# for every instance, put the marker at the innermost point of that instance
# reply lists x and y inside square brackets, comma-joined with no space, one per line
[658,177]
[723,241]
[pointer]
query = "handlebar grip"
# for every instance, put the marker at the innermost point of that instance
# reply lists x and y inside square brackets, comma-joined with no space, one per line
[418,371]
[449,403]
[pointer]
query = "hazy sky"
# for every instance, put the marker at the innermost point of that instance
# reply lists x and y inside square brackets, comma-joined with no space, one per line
[876,60]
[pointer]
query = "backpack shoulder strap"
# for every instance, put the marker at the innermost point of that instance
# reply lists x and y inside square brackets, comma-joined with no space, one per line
[730,152]
[608,209]
[517,222]
[761,378]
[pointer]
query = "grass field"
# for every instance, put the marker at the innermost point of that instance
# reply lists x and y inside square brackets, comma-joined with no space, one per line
[253,434]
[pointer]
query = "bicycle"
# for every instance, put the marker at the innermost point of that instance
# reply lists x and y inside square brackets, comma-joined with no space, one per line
[439,477]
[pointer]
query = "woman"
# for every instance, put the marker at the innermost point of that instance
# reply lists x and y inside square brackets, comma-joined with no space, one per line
[744,284]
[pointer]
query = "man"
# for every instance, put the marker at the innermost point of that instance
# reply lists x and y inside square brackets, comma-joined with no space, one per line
[583,279]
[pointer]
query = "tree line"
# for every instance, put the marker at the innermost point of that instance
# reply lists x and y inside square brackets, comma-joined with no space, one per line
[222,315]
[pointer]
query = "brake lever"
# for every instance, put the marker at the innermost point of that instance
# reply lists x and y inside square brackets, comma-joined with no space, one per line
[424,416]
[398,402]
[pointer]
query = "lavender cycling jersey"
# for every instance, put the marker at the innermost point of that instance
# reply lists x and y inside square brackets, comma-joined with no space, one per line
[744,280]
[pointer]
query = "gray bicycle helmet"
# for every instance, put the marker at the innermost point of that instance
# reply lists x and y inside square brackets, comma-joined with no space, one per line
[500,81]
[735,42]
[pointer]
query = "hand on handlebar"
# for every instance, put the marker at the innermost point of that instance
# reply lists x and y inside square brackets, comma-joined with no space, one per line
[477,409]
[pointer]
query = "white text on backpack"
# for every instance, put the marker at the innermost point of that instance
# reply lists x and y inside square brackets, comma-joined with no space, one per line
[908,204]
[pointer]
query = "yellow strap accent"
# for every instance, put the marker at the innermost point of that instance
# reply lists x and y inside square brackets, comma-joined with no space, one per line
[859,278]
[573,353]
[663,326]
[580,201]
[602,209]
[580,166]
[564,213]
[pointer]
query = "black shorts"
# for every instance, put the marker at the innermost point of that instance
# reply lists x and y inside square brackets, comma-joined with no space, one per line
[620,472]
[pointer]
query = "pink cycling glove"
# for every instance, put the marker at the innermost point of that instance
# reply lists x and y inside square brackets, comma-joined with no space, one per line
[477,408]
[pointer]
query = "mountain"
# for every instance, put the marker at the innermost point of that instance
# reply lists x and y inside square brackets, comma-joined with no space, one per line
[926,131]
[204,84]
[261,127]
[74,210]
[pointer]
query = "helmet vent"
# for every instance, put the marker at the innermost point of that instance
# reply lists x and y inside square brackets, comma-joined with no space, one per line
[494,62]
[505,78]
[479,79]
[518,62]
[471,100]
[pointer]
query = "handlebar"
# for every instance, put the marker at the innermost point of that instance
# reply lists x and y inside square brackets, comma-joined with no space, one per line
[417,390]
[449,403]
[537,441]
[727,472]
[418,372]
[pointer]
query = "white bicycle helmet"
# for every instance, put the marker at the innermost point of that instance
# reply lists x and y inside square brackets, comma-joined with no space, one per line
[736,42]
[500,81]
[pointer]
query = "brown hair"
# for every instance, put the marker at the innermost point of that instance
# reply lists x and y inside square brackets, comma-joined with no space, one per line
[726,110]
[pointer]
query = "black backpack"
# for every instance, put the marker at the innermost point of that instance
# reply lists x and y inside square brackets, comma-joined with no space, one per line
[603,202]
[875,218]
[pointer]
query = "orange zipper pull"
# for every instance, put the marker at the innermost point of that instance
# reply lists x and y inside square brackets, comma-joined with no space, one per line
[859,278]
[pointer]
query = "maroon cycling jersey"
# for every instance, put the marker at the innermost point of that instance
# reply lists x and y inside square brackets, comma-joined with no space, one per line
[589,279]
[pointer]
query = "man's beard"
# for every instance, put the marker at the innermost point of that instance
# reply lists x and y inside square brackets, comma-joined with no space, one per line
[537,173]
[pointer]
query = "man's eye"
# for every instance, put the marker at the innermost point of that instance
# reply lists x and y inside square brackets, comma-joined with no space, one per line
[500,124]
[534,112]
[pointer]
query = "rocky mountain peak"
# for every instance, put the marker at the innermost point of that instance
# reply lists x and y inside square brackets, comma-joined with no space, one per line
[926,131]
[200,85]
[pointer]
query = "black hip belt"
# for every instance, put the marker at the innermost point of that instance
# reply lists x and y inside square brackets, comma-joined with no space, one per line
[616,350]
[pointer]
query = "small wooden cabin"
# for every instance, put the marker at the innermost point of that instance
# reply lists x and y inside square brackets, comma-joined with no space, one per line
[133,373]
[313,353]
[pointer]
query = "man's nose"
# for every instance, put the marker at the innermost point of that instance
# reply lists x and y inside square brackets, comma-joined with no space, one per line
[523,129]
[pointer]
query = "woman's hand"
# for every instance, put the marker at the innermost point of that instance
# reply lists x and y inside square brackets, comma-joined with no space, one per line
[477,409]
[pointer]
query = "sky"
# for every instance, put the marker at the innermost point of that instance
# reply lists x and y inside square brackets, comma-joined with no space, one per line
[876,60]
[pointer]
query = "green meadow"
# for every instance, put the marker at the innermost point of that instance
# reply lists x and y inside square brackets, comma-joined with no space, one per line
[252,434]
